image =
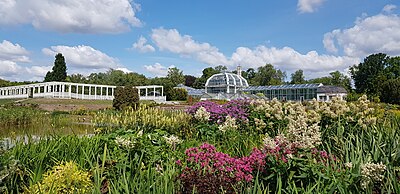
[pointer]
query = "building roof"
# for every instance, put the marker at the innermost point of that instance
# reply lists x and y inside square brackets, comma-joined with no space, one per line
[287,86]
[191,91]
[331,89]
[226,79]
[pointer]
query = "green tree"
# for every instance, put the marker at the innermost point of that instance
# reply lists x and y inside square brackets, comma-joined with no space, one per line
[175,76]
[4,83]
[189,80]
[335,78]
[393,70]
[207,73]
[339,79]
[268,75]
[391,92]
[77,78]
[221,68]
[136,79]
[179,94]
[369,75]
[98,78]
[59,70]
[298,77]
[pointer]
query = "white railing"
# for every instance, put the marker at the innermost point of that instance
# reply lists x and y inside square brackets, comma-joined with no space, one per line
[64,90]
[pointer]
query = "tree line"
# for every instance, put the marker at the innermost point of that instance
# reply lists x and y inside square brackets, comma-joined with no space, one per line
[377,76]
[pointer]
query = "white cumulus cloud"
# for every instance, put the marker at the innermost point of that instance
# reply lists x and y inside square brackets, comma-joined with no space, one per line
[82,16]
[83,57]
[374,34]
[141,45]
[171,40]
[288,59]
[308,6]
[13,52]
[9,68]
[158,70]
[11,57]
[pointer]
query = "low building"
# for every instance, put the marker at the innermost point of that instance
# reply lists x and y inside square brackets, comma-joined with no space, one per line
[229,86]
[298,92]
[197,93]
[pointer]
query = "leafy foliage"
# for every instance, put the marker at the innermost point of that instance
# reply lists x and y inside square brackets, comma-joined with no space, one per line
[391,91]
[179,94]
[124,97]
[64,178]
[370,75]
[297,77]
[175,76]
[268,75]
[189,80]
[335,78]
[59,70]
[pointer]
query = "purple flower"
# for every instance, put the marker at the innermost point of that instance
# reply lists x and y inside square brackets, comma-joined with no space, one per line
[238,109]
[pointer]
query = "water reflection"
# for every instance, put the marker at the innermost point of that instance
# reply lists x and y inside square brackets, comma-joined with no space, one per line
[10,135]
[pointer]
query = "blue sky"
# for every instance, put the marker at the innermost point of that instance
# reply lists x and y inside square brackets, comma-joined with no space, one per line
[149,36]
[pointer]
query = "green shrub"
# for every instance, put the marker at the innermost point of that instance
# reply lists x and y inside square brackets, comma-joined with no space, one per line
[126,97]
[64,178]
[177,94]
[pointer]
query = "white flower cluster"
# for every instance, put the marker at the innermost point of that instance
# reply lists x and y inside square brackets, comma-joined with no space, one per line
[269,142]
[172,140]
[260,124]
[229,124]
[202,115]
[364,114]
[140,133]
[348,165]
[372,173]
[335,108]
[271,108]
[124,142]
[303,128]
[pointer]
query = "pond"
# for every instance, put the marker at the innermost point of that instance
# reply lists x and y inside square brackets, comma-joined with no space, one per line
[68,125]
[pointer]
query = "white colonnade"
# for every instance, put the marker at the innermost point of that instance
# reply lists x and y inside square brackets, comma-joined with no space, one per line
[69,90]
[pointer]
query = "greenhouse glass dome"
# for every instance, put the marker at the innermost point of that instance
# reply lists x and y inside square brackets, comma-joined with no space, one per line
[225,83]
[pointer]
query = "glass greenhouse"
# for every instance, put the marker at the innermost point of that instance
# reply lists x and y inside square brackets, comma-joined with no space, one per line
[294,92]
[225,83]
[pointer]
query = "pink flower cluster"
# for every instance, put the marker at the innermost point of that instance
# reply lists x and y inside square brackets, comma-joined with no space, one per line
[323,156]
[284,150]
[205,159]
[207,170]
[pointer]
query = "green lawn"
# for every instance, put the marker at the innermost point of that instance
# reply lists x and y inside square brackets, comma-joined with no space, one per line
[6,101]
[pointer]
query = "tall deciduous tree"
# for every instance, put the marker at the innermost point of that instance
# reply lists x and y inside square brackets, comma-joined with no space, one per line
[207,73]
[369,75]
[268,75]
[189,80]
[298,77]
[59,71]
[391,92]
[335,78]
[176,76]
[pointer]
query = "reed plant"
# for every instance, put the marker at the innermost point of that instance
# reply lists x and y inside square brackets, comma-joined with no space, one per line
[21,116]
[148,118]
